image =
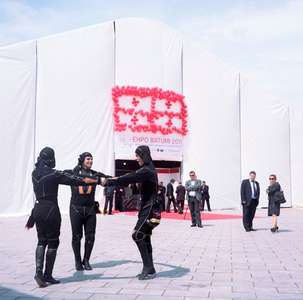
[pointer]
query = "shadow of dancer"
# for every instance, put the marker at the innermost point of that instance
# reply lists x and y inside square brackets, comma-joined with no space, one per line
[9,293]
[173,272]
[80,276]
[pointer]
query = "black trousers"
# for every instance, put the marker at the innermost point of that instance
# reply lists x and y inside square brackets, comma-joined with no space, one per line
[180,203]
[83,217]
[194,207]
[249,214]
[48,222]
[47,217]
[161,200]
[169,201]
[142,237]
[203,204]
[108,201]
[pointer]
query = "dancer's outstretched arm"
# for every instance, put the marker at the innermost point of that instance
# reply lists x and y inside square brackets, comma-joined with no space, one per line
[140,175]
[66,178]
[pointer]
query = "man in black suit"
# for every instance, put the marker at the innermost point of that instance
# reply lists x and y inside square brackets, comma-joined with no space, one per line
[170,196]
[161,195]
[205,196]
[250,194]
[180,191]
[109,198]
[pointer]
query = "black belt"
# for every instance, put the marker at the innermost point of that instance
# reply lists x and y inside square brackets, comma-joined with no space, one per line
[43,201]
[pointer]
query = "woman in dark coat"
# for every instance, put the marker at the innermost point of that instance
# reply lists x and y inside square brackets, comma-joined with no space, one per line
[149,213]
[46,213]
[273,205]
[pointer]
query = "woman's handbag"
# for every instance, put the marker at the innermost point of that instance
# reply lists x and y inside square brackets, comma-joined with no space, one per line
[279,197]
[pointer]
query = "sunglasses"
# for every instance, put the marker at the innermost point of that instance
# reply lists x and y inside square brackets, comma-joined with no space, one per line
[271,178]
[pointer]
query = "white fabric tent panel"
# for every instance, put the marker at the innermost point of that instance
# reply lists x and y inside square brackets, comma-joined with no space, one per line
[296,116]
[74,107]
[265,140]
[17,96]
[148,54]
[213,142]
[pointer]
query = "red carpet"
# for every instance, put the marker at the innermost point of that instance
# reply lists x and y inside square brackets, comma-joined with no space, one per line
[186,215]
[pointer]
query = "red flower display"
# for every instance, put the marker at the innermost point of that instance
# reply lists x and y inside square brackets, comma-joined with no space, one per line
[164,107]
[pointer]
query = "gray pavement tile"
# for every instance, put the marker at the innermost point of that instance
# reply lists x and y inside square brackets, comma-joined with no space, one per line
[113,297]
[102,290]
[67,295]
[154,292]
[190,293]
[147,297]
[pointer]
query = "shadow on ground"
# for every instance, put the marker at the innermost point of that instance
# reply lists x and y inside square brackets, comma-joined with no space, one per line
[8,293]
[173,272]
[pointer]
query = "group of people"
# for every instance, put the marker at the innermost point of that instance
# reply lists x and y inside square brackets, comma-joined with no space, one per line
[250,194]
[83,208]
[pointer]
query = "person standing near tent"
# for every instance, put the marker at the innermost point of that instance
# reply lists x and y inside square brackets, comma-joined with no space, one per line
[161,195]
[205,196]
[83,211]
[274,201]
[250,194]
[149,213]
[180,191]
[109,192]
[46,213]
[193,188]
[170,196]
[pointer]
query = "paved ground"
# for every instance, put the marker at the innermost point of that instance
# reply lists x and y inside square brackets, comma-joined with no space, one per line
[219,261]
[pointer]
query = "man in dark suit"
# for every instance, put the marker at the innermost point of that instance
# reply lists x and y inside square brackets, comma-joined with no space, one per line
[205,196]
[109,198]
[161,195]
[119,195]
[180,191]
[250,194]
[170,196]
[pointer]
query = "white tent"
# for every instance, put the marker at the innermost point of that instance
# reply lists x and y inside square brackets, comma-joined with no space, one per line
[213,144]
[265,139]
[296,128]
[75,77]
[56,91]
[17,115]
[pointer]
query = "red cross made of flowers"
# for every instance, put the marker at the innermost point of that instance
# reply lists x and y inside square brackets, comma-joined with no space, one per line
[163,111]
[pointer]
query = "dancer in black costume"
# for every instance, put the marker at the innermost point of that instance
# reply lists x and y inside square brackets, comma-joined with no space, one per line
[46,213]
[149,212]
[83,212]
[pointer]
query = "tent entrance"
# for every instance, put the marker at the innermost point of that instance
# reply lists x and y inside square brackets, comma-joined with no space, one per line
[126,198]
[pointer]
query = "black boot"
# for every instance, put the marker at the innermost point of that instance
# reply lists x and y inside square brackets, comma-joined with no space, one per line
[87,265]
[79,266]
[40,251]
[88,248]
[50,261]
[76,244]
[151,268]
[148,269]
[144,256]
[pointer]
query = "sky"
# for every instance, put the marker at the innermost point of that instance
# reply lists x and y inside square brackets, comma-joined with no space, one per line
[262,39]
